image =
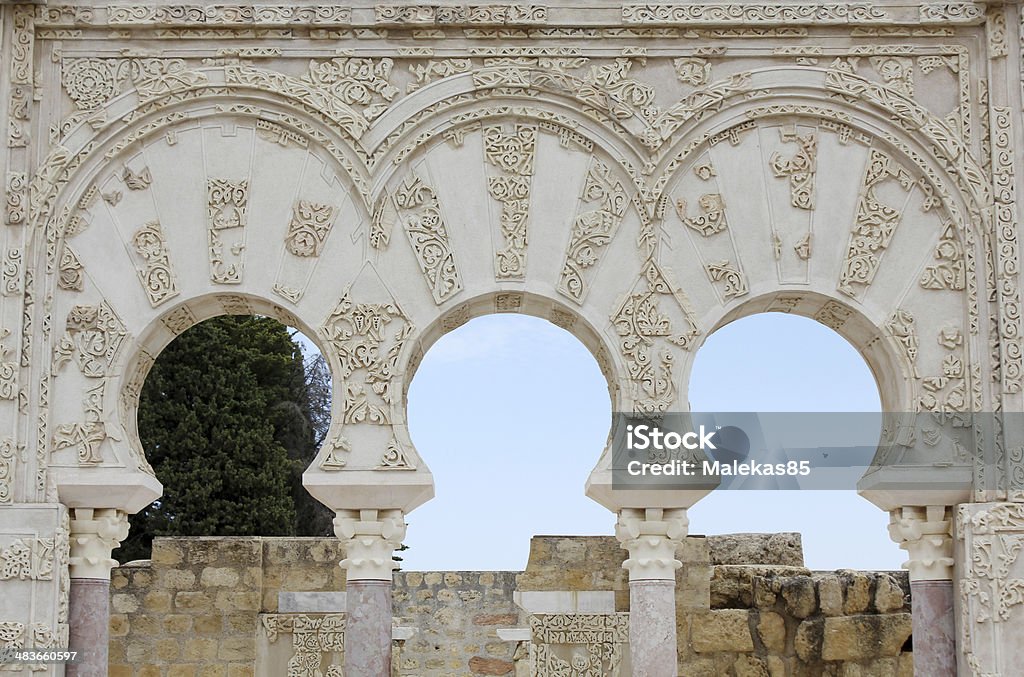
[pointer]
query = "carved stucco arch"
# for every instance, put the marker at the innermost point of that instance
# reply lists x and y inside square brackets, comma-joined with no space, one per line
[644,207]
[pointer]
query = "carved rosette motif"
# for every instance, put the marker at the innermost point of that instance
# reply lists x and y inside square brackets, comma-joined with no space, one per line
[511,154]
[226,209]
[419,212]
[875,225]
[593,229]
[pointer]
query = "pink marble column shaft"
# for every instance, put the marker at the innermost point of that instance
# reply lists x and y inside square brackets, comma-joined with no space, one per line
[934,628]
[652,628]
[368,628]
[89,626]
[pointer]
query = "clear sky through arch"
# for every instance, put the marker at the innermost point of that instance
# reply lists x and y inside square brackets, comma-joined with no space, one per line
[511,412]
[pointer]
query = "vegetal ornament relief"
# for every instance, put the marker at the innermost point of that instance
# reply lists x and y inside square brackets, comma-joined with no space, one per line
[309,227]
[511,154]
[368,339]
[92,82]
[315,640]
[605,201]
[647,330]
[991,585]
[156,275]
[800,168]
[419,212]
[93,337]
[710,221]
[875,225]
[579,645]
[227,204]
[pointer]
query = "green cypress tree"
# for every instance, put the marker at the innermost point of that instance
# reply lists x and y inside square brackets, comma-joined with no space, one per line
[226,422]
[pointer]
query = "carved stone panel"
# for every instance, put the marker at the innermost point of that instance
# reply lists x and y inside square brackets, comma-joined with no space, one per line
[583,645]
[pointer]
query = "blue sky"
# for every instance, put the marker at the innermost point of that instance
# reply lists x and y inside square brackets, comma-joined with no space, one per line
[511,413]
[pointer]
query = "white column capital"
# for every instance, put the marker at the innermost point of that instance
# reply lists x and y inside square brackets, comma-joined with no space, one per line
[651,536]
[370,539]
[926,533]
[94,533]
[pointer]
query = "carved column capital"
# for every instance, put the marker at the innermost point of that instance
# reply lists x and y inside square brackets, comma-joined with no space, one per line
[926,533]
[371,537]
[651,536]
[95,532]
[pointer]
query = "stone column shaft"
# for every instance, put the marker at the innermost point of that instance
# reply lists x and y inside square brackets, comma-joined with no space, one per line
[89,624]
[934,628]
[926,534]
[652,628]
[368,628]
[651,536]
[94,535]
[371,537]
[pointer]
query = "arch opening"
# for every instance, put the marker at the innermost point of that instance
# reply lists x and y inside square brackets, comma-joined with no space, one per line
[511,412]
[778,362]
[231,410]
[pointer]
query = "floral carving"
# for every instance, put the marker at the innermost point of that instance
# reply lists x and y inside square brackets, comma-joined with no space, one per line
[70,278]
[419,212]
[511,153]
[734,283]
[800,168]
[711,219]
[901,328]
[309,227]
[644,329]
[356,82]
[579,645]
[227,203]
[951,270]
[93,338]
[156,275]
[876,223]
[368,350]
[593,229]
[316,639]
[92,83]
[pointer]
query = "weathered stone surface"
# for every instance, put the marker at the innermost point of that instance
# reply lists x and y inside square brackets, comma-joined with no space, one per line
[732,586]
[490,666]
[809,637]
[857,591]
[830,595]
[889,596]
[750,666]
[771,628]
[782,549]
[724,630]
[859,638]
[799,595]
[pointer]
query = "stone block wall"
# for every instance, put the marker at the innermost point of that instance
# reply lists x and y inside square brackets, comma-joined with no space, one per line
[457,615]
[192,610]
[746,607]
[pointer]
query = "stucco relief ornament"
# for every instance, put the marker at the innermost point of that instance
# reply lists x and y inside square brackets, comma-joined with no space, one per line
[227,205]
[362,82]
[309,227]
[93,338]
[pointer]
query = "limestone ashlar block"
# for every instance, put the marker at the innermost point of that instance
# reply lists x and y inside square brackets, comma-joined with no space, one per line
[864,637]
[723,630]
